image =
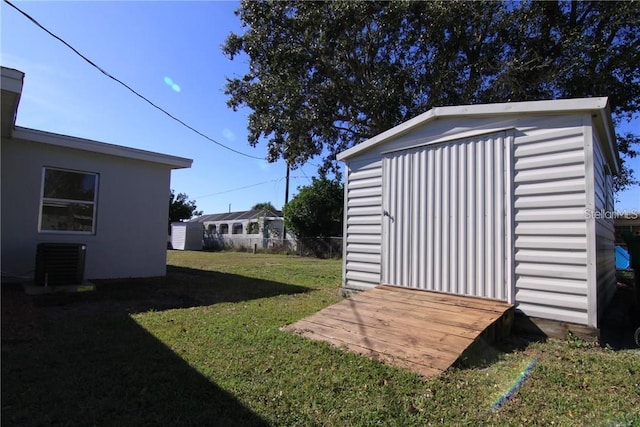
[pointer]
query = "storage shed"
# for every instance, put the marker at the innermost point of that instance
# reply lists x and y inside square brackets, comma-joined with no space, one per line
[505,201]
[187,236]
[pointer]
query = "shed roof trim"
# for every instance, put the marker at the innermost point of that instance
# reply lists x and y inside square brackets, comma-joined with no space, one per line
[599,105]
[99,147]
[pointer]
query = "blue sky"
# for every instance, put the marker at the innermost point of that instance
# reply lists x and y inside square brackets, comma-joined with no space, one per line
[147,45]
[170,52]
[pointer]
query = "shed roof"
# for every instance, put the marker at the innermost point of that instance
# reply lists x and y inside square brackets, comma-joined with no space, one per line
[241,215]
[597,106]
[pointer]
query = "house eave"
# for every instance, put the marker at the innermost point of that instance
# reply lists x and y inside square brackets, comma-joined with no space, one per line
[11,84]
[12,80]
[76,143]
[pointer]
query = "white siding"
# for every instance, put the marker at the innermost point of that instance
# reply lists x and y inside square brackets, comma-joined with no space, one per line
[605,263]
[186,236]
[444,130]
[454,229]
[550,231]
[363,202]
[446,214]
[178,236]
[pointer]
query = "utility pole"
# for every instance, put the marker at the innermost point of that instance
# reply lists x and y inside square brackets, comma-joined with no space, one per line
[286,200]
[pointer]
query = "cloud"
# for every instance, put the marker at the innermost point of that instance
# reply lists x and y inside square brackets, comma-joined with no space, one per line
[228,134]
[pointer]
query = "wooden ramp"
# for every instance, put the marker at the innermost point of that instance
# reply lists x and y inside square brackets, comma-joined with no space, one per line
[422,331]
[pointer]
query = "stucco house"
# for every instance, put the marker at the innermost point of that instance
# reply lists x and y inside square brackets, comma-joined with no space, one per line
[59,189]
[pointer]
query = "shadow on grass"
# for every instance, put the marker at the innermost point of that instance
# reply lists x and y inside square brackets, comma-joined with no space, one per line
[482,353]
[182,288]
[617,327]
[620,320]
[89,363]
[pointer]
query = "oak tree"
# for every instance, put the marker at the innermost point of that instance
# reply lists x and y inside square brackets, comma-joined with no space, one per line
[324,76]
[181,208]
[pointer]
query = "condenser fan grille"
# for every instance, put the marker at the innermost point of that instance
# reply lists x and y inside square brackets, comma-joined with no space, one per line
[60,264]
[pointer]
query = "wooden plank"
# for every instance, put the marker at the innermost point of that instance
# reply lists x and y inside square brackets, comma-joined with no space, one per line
[376,345]
[424,370]
[372,317]
[405,299]
[444,298]
[414,323]
[463,321]
[428,309]
[422,331]
[447,345]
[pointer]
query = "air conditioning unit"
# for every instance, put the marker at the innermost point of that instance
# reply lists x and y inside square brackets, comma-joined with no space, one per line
[60,264]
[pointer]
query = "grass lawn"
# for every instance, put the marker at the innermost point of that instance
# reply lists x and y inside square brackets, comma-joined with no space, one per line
[203,347]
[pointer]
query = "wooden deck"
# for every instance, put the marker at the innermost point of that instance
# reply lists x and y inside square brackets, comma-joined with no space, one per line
[422,331]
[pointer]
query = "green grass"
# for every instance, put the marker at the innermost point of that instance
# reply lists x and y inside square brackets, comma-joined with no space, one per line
[204,347]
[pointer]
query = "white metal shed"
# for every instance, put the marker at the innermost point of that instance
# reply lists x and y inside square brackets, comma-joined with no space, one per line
[187,236]
[507,201]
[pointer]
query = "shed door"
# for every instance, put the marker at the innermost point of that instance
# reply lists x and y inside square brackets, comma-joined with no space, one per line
[446,217]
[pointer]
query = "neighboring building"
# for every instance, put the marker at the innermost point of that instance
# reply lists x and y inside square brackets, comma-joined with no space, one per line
[244,228]
[495,201]
[62,189]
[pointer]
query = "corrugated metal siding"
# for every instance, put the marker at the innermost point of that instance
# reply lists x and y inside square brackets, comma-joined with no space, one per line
[448,129]
[446,216]
[178,236]
[363,224]
[550,229]
[604,229]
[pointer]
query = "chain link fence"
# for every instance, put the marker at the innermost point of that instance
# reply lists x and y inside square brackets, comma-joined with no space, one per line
[319,247]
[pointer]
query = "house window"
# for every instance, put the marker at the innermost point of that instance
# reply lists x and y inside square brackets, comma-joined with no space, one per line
[68,201]
[253,228]
[237,228]
[212,229]
[224,228]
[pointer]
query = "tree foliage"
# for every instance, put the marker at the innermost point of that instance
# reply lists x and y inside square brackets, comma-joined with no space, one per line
[181,208]
[263,206]
[324,76]
[316,211]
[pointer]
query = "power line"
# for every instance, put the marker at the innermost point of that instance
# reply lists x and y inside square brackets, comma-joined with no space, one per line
[235,189]
[245,187]
[305,175]
[127,86]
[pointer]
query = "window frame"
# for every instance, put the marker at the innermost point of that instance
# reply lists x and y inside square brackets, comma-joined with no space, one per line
[235,227]
[44,200]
